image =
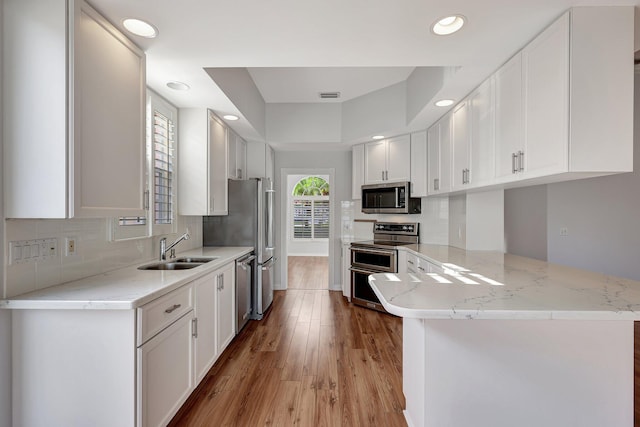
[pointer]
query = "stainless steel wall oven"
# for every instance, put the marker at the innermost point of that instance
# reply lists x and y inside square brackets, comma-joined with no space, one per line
[378,256]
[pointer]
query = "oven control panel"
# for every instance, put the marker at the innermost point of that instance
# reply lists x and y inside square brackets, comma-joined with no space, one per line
[406,228]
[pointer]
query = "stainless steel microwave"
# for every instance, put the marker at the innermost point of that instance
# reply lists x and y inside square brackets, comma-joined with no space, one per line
[392,198]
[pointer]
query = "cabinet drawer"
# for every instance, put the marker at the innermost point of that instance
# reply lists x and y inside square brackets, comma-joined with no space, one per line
[160,313]
[412,263]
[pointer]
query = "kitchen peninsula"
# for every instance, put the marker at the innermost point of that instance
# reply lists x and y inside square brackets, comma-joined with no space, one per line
[493,339]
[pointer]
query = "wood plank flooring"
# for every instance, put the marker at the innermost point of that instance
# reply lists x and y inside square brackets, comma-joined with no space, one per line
[314,360]
[308,272]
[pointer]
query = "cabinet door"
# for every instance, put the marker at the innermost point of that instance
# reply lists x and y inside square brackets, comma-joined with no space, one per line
[399,158]
[165,373]
[509,120]
[107,110]
[225,303]
[481,169]
[433,158]
[375,162]
[218,149]
[546,74]
[419,174]
[205,293]
[241,158]
[460,146]
[232,165]
[445,152]
[357,171]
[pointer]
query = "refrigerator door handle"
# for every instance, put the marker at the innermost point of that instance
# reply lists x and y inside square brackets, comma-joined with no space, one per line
[270,245]
[269,263]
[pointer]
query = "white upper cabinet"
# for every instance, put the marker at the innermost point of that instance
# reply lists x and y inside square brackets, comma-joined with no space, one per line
[461,140]
[74,109]
[439,156]
[564,104]
[419,176]
[387,160]
[509,134]
[237,157]
[202,163]
[260,161]
[482,118]
[546,101]
[357,171]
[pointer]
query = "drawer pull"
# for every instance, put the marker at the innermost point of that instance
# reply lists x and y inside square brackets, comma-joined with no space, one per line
[173,308]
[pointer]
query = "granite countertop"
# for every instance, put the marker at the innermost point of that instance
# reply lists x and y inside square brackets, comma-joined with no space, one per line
[126,288]
[493,285]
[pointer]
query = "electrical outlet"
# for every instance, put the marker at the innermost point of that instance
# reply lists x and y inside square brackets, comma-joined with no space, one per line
[71,246]
[564,231]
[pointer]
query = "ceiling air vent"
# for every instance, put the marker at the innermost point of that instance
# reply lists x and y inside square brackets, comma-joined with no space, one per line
[329,95]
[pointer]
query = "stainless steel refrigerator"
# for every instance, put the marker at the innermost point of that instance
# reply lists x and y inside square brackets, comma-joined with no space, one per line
[249,223]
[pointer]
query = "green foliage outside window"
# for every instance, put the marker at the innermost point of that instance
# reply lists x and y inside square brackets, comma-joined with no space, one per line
[311,186]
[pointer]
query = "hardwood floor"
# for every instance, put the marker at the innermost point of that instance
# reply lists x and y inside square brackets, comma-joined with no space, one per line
[308,272]
[314,360]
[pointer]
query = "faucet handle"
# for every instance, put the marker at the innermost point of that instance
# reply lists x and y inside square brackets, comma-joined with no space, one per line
[172,254]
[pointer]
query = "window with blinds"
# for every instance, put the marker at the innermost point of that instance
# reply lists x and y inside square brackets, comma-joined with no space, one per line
[310,218]
[163,161]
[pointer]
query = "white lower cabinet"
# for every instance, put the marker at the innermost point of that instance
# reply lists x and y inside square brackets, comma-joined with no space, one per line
[206,351]
[225,306]
[165,372]
[124,367]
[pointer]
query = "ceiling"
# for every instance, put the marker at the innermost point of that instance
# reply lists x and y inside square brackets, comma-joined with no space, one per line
[293,49]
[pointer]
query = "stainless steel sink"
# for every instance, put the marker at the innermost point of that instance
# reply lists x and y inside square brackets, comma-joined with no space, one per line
[182,263]
[170,266]
[195,259]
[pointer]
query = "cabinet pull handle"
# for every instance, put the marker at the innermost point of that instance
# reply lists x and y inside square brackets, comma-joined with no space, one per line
[145,200]
[173,308]
[422,269]
[513,163]
[410,262]
[436,184]
[386,175]
[521,160]
[194,323]
[383,175]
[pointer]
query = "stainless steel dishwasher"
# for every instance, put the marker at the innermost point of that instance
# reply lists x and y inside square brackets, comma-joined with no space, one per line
[245,268]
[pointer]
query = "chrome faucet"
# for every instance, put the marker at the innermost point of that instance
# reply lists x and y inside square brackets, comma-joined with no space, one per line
[164,249]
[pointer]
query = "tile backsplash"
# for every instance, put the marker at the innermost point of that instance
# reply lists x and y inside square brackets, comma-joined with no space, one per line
[95,253]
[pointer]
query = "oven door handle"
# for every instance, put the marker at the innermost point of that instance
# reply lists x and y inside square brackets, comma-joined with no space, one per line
[372,251]
[362,271]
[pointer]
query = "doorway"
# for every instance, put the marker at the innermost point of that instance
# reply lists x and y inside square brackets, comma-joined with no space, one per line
[308,229]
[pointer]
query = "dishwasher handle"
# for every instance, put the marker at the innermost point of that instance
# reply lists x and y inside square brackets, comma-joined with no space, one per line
[244,262]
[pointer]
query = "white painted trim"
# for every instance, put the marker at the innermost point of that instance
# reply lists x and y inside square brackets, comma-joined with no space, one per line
[284,172]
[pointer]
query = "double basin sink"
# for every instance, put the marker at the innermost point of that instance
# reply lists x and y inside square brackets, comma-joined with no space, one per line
[183,263]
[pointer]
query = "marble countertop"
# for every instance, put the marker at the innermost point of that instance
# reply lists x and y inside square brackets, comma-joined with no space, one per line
[492,285]
[126,288]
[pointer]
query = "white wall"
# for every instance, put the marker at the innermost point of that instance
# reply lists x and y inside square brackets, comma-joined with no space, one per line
[340,161]
[95,253]
[382,111]
[525,221]
[310,123]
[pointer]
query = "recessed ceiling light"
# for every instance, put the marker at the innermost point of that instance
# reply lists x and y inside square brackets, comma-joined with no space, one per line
[230,117]
[448,25]
[140,28]
[444,102]
[378,137]
[178,86]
